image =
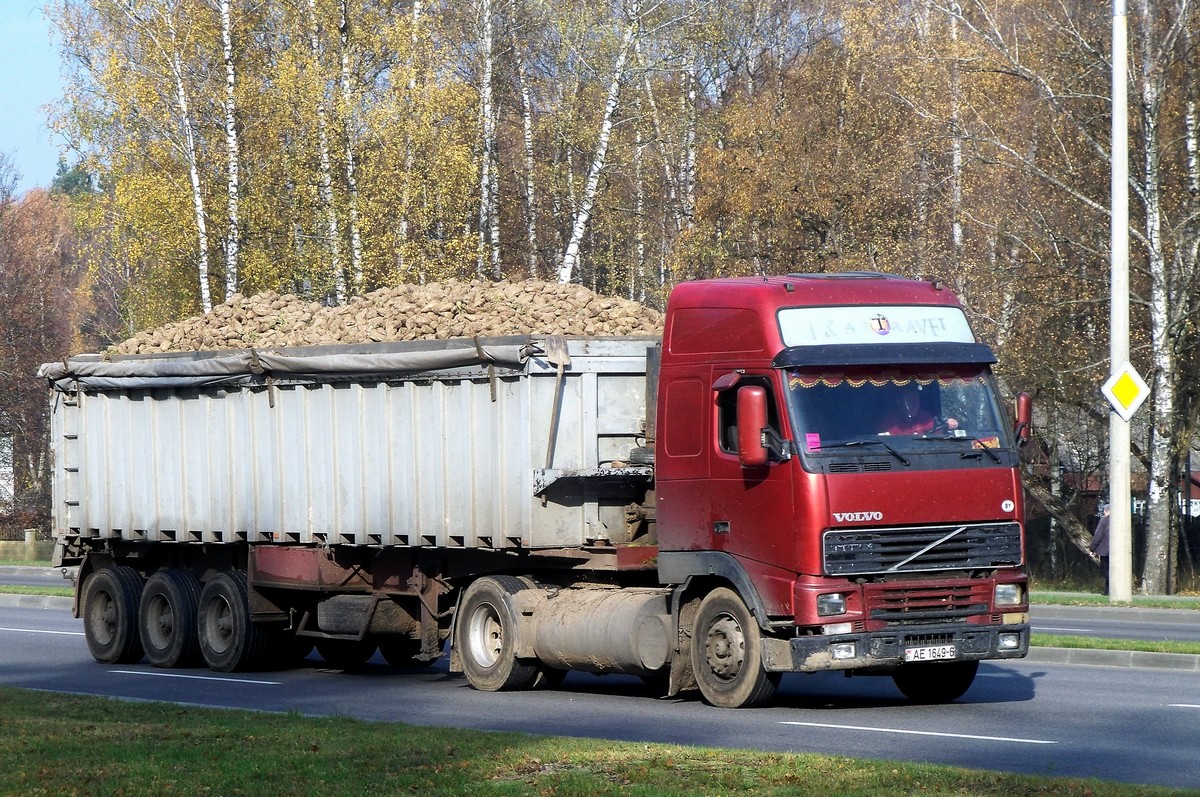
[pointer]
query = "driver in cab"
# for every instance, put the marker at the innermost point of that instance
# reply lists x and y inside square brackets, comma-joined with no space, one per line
[909,417]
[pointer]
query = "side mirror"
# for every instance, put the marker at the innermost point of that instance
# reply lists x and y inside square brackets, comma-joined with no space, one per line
[1024,417]
[751,419]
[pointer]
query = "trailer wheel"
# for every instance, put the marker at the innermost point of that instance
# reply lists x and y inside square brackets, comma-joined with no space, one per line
[228,640]
[346,654]
[486,636]
[110,615]
[935,683]
[727,653]
[168,618]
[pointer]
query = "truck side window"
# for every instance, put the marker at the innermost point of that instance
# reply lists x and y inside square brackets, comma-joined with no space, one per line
[727,429]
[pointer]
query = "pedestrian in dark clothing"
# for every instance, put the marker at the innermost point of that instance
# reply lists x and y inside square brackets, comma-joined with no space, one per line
[1099,543]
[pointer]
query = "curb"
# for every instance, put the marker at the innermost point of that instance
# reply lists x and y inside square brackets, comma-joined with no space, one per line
[1179,662]
[36,601]
[1181,616]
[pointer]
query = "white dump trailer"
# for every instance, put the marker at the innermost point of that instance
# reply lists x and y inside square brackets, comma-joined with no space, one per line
[449,444]
[343,489]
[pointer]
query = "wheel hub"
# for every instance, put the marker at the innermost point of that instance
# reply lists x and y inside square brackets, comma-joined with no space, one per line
[725,648]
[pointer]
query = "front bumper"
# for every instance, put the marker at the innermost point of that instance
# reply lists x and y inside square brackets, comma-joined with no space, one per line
[883,651]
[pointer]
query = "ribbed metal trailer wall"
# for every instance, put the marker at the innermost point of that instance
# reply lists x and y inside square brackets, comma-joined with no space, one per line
[445,458]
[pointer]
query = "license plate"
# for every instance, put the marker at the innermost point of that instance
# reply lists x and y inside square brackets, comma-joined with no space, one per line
[931,653]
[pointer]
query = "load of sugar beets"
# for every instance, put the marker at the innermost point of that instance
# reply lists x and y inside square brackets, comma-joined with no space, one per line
[404,312]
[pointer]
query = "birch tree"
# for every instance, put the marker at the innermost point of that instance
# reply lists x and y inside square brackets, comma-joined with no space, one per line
[345,81]
[233,231]
[325,165]
[159,27]
[583,214]
[489,200]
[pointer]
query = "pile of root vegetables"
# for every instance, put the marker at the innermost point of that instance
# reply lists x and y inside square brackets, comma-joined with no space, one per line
[405,312]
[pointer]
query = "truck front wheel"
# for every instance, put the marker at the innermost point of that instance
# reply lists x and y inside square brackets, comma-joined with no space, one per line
[727,653]
[228,640]
[935,683]
[110,615]
[487,636]
[168,617]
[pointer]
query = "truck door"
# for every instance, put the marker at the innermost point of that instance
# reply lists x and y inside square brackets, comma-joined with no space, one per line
[751,509]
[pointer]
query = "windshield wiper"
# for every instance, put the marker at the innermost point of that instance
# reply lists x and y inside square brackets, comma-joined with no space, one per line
[853,443]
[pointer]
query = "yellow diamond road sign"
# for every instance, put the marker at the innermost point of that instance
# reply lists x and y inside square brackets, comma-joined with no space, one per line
[1126,390]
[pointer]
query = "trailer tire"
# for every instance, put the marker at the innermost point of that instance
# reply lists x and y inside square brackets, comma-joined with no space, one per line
[346,654]
[110,615]
[487,636]
[727,653]
[168,619]
[229,641]
[935,683]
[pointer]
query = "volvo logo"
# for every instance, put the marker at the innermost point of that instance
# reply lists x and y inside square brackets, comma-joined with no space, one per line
[857,517]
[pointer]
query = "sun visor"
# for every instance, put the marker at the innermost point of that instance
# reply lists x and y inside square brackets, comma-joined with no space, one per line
[885,354]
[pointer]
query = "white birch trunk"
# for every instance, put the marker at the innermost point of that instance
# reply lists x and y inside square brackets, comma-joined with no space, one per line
[637,274]
[189,135]
[233,153]
[356,250]
[409,147]
[489,250]
[531,261]
[325,176]
[1158,565]
[956,143]
[670,178]
[570,258]
[1190,123]
[691,117]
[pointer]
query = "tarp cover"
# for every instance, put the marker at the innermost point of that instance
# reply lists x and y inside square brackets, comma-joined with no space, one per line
[317,364]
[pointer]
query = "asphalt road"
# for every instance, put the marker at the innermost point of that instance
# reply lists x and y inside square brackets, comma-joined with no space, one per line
[1116,622]
[1130,724]
[17,576]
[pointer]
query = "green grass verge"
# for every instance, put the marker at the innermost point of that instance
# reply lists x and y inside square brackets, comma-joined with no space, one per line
[67,744]
[57,592]
[1094,643]
[23,563]
[1190,602]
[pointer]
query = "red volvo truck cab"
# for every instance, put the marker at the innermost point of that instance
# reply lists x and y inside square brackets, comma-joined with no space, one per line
[834,448]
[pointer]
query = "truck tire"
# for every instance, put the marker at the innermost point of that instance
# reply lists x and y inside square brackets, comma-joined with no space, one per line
[168,618]
[727,653]
[346,654]
[228,640]
[110,615]
[486,637]
[935,683]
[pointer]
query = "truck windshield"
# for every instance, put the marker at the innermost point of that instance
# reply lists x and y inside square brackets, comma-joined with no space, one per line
[898,409]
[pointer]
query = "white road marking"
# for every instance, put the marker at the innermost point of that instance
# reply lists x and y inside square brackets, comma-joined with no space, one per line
[39,631]
[196,677]
[1052,628]
[922,733]
[1182,705]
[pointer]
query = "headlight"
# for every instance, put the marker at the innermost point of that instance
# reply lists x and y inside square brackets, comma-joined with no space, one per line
[1008,594]
[830,604]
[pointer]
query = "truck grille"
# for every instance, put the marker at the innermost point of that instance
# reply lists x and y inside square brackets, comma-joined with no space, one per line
[911,605]
[911,550]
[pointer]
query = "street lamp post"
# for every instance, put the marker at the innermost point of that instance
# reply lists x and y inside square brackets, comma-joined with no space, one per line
[1120,562]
